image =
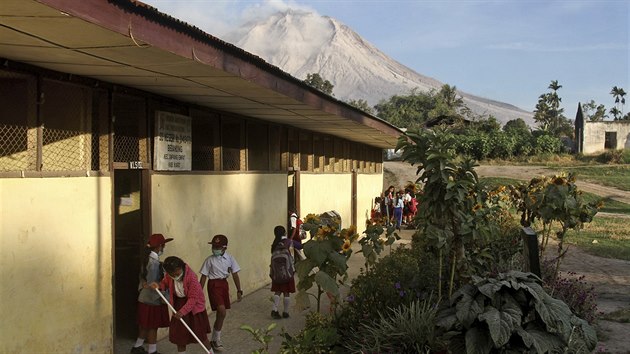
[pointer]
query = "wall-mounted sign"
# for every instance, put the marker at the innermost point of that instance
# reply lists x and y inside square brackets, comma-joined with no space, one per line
[173,142]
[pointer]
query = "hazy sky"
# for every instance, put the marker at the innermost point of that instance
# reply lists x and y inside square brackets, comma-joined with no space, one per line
[507,50]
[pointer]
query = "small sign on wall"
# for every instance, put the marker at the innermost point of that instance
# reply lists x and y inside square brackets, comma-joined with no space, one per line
[173,142]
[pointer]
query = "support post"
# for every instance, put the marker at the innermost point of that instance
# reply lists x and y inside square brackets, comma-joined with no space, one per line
[530,251]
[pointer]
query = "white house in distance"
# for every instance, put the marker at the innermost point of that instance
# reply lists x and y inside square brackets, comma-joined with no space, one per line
[593,137]
[118,121]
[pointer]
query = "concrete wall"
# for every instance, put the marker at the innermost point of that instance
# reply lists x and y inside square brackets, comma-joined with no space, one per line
[595,132]
[56,261]
[368,188]
[324,192]
[244,207]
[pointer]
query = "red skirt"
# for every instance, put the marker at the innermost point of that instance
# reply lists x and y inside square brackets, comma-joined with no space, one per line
[199,323]
[152,316]
[284,288]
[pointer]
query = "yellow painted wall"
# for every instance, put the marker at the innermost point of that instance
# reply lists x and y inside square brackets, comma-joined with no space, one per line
[55,262]
[368,188]
[244,207]
[324,192]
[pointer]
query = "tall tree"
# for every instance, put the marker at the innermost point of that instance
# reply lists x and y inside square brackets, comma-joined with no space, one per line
[548,114]
[618,93]
[318,82]
[407,111]
[594,112]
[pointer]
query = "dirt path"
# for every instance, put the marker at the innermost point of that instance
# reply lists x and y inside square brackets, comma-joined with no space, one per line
[610,277]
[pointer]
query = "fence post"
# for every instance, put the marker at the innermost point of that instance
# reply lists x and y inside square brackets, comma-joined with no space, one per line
[530,251]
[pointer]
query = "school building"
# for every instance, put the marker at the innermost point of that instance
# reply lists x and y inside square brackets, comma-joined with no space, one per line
[118,121]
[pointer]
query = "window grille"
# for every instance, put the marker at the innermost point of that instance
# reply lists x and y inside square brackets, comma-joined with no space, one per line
[130,143]
[66,136]
[294,149]
[18,115]
[338,153]
[306,151]
[276,147]
[318,153]
[329,153]
[231,143]
[204,140]
[257,147]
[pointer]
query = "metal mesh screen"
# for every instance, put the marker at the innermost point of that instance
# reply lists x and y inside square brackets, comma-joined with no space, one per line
[204,129]
[294,148]
[318,153]
[329,154]
[18,115]
[15,154]
[231,141]
[339,160]
[257,147]
[130,143]
[275,152]
[306,151]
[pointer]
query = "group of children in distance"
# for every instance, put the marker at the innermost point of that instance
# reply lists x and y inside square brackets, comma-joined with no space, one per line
[396,207]
[185,292]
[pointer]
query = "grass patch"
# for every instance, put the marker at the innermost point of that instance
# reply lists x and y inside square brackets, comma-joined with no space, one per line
[621,316]
[613,176]
[607,237]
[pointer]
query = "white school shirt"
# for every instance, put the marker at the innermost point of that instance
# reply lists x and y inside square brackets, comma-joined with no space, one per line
[219,267]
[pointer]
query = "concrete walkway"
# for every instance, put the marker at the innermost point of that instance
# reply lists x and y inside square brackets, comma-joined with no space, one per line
[255,310]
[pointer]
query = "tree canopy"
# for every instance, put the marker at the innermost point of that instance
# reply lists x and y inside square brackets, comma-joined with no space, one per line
[318,82]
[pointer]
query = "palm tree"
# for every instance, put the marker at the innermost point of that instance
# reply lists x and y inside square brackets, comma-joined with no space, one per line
[615,113]
[618,93]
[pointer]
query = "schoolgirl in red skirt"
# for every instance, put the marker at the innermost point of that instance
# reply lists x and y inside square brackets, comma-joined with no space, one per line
[281,244]
[152,313]
[186,296]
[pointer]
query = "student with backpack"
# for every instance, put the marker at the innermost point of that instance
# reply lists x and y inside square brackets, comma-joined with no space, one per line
[281,271]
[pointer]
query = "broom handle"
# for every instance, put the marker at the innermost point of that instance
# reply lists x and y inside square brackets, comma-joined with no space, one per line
[184,323]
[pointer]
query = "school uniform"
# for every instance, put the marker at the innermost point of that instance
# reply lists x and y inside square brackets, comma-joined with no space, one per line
[288,287]
[186,296]
[217,269]
[151,311]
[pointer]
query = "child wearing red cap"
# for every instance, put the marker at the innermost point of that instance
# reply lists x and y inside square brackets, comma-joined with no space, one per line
[216,269]
[152,313]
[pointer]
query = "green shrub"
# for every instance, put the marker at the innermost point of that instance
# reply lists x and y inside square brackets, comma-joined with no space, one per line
[319,336]
[512,313]
[548,144]
[397,279]
[407,329]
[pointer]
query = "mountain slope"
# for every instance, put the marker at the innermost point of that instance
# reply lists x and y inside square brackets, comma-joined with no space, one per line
[301,42]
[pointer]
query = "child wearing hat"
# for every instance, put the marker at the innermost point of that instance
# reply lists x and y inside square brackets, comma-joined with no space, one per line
[216,269]
[152,313]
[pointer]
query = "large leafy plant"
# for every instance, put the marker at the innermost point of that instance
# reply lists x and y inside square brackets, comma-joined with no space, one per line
[512,313]
[455,211]
[557,203]
[327,254]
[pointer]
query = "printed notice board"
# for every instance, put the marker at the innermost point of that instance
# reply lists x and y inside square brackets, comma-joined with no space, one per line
[173,142]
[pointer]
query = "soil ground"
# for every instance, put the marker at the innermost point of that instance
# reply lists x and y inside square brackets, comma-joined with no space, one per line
[610,277]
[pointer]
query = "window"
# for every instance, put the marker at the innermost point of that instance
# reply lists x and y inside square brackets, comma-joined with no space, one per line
[130,122]
[306,151]
[18,115]
[231,143]
[257,147]
[205,137]
[610,140]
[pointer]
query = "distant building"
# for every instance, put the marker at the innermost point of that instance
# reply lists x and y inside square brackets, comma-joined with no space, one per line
[118,121]
[593,137]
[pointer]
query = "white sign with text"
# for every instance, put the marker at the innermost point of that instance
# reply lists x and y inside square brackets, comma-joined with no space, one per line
[173,142]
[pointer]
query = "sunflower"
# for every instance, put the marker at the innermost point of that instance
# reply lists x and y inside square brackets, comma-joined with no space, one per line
[476,207]
[559,181]
[346,246]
